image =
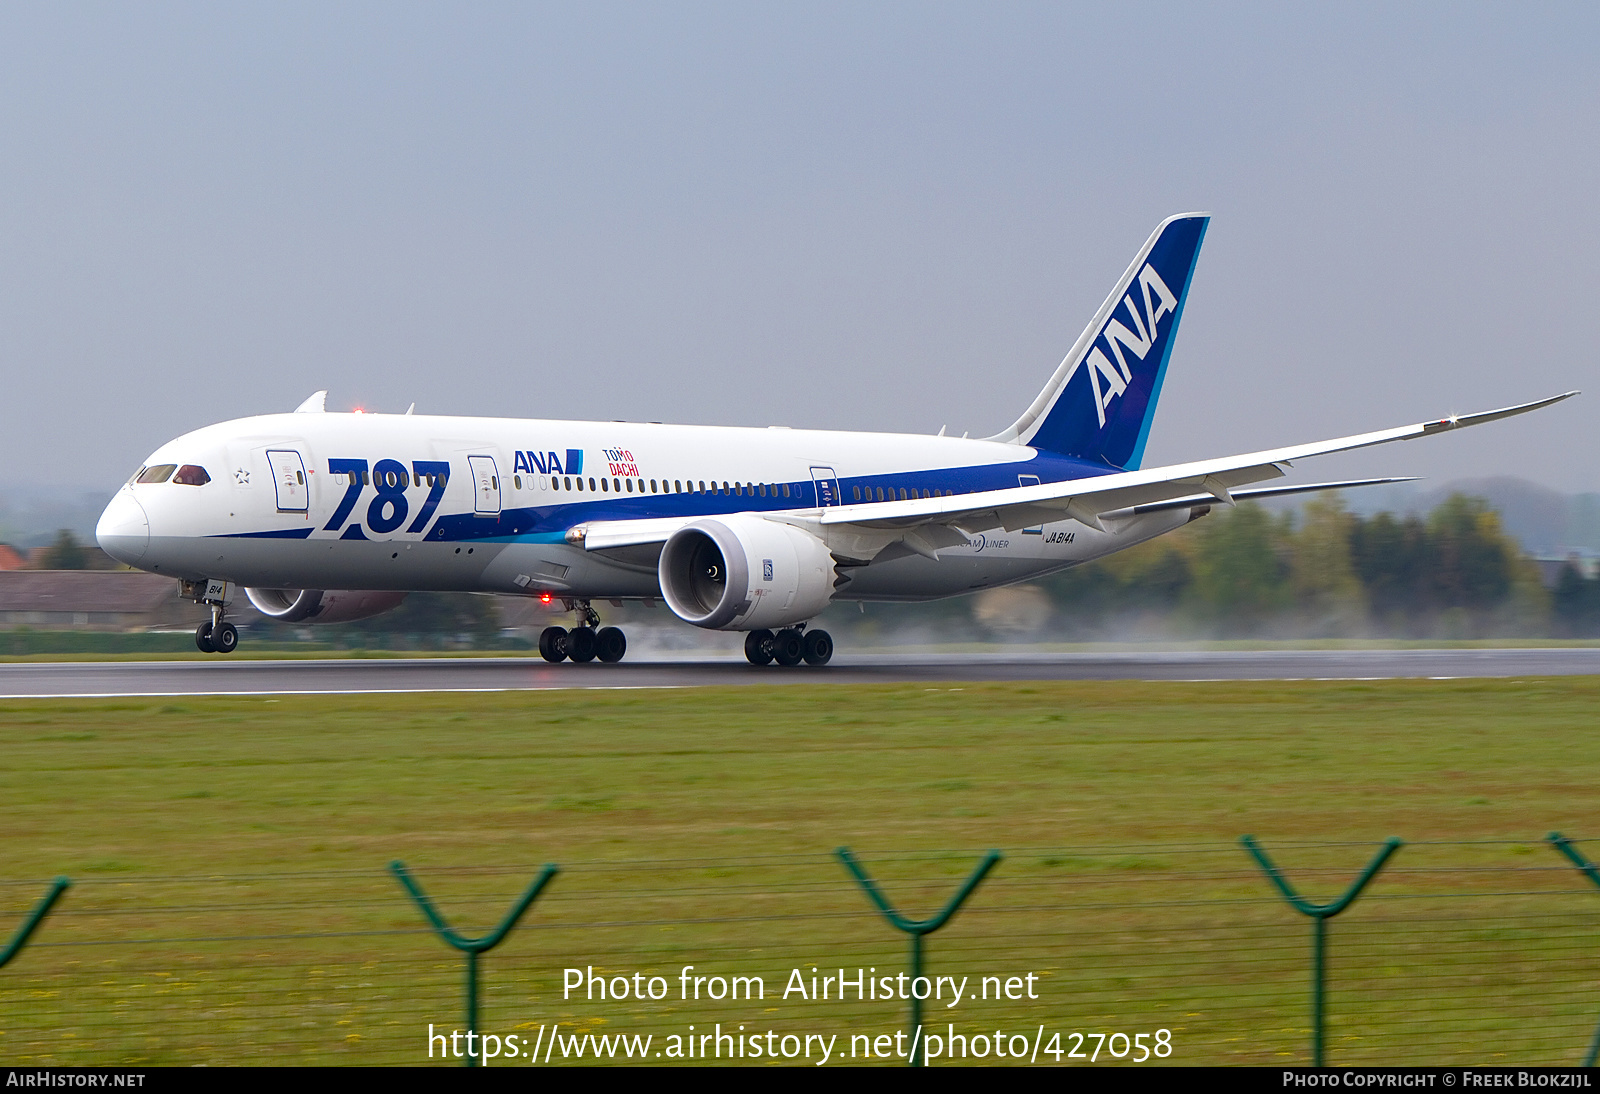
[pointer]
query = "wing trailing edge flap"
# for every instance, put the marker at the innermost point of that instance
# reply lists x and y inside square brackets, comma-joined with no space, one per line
[1249,495]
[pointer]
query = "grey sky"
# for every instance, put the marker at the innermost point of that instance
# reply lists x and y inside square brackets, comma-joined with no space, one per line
[853,216]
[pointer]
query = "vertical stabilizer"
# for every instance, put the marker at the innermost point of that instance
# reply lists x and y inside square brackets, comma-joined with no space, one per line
[1100,401]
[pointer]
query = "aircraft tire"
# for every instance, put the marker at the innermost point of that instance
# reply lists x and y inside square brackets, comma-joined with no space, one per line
[818,648]
[202,638]
[225,639]
[788,648]
[553,644]
[581,644]
[610,644]
[758,647]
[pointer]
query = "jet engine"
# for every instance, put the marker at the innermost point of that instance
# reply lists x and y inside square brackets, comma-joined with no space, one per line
[322,606]
[745,573]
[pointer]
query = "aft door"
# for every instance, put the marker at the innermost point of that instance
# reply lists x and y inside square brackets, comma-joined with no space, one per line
[827,485]
[1030,480]
[289,478]
[485,484]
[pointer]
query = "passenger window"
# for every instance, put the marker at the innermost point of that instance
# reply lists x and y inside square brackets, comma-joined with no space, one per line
[516,480]
[190,475]
[702,486]
[785,489]
[652,486]
[591,482]
[604,485]
[300,477]
[902,493]
[617,485]
[566,483]
[161,472]
[762,490]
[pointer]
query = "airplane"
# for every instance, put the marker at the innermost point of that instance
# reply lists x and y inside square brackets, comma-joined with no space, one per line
[324,517]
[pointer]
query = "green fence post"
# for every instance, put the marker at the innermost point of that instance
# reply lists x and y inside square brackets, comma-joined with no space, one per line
[472,947]
[1320,914]
[1564,845]
[917,929]
[40,910]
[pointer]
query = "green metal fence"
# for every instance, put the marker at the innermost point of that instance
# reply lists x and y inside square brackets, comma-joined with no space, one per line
[1458,953]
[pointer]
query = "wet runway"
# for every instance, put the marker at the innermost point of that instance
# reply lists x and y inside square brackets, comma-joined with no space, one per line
[244,677]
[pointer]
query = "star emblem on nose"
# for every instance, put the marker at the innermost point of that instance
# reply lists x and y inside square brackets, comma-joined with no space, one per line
[242,477]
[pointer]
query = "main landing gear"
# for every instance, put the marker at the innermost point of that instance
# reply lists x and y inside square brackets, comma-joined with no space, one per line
[585,643]
[788,647]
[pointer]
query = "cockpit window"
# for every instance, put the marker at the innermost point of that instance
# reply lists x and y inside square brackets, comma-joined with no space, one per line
[161,472]
[190,475]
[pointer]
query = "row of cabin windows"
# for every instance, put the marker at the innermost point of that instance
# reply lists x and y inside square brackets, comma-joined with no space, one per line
[865,493]
[391,479]
[665,486]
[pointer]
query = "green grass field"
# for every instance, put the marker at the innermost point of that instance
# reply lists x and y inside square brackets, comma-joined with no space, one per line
[231,902]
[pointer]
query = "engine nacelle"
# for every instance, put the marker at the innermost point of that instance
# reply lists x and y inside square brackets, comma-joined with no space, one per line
[322,606]
[745,574]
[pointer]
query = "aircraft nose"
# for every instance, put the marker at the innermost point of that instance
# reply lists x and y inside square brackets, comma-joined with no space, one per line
[124,530]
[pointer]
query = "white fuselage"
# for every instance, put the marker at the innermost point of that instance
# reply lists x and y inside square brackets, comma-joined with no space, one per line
[412,502]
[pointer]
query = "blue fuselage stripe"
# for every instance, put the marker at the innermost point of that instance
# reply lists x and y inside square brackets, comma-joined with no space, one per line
[549,521]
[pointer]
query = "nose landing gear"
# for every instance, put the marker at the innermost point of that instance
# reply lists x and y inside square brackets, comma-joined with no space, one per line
[216,635]
[585,643]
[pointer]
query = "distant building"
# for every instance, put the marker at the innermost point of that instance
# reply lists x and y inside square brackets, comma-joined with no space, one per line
[1550,567]
[11,558]
[102,600]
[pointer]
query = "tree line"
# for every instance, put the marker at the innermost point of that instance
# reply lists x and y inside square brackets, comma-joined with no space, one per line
[1453,573]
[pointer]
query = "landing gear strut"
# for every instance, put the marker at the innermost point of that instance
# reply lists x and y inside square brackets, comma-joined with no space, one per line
[216,635]
[583,643]
[788,647]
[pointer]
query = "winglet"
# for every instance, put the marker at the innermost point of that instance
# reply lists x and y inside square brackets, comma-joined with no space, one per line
[1458,421]
[317,404]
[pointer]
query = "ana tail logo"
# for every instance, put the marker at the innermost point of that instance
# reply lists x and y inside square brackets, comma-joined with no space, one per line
[1158,302]
[1100,401]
